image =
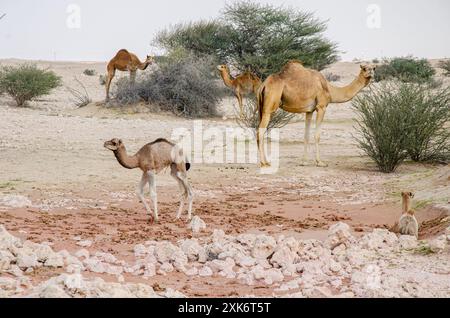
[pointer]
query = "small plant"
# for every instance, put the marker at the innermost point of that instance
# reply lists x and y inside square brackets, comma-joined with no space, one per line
[424,250]
[375,61]
[406,69]
[80,98]
[331,77]
[89,72]
[250,117]
[446,66]
[102,80]
[26,82]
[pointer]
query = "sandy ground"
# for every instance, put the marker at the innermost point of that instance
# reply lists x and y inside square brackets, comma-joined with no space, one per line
[52,154]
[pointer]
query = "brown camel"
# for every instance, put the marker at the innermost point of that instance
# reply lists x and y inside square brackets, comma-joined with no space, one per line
[297,89]
[127,62]
[243,84]
[151,159]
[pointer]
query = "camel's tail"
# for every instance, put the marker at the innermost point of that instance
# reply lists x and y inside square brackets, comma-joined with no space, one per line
[260,100]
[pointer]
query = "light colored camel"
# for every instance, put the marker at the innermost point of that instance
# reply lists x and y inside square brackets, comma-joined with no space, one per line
[408,225]
[151,159]
[242,85]
[297,89]
[127,62]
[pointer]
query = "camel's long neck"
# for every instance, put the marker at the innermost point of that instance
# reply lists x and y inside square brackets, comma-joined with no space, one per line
[346,93]
[143,66]
[227,79]
[125,160]
[405,204]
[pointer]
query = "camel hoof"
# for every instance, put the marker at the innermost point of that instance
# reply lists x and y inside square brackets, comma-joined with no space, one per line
[265,165]
[303,163]
[321,164]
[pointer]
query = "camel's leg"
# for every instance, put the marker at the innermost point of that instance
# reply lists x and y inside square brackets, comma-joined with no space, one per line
[319,120]
[308,120]
[188,189]
[111,73]
[174,174]
[239,98]
[140,192]
[153,195]
[132,77]
[260,138]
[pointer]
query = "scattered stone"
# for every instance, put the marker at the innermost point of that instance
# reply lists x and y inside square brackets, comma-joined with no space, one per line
[85,243]
[197,224]
[205,271]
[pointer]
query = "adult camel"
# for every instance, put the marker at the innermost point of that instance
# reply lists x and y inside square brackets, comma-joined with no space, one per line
[297,89]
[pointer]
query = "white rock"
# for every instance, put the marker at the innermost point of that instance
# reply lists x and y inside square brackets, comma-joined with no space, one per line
[197,224]
[407,242]
[8,241]
[438,244]
[165,251]
[205,271]
[338,234]
[25,260]
[283,257]
[149,270]
[273,275]
[106,257]
[5,260]
[54,260]
[244,260]
[191,272]
[83,253]
[52,291]
[84,243]
[379,238]
[263,246]
[140,250]
[15,201]
[192,249]
[166,267]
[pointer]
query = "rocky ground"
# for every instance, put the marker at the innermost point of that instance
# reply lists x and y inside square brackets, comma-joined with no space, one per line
[72,225]
[378,264]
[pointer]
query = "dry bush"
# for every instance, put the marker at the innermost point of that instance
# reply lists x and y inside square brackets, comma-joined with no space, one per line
[186,87]
[80,96]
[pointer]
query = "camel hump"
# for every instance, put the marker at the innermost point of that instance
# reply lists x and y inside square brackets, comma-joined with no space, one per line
[123,51]
[162,140]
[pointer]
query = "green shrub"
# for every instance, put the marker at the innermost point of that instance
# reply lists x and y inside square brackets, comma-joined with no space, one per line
[89,72]
[429,115]
[26,81]
[256,37]
[399,120]
[186,87]
[406,69]
[381,125]
[446,66]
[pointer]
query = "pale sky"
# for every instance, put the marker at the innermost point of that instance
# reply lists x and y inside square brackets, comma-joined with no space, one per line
[48,29]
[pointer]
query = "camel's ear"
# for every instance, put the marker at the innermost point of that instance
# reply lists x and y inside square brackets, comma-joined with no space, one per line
[363,67]
[120,141]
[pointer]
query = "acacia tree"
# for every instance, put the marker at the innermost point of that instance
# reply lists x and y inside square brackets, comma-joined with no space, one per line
[256,37]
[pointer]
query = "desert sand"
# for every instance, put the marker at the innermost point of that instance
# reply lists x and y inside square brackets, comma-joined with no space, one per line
[59,187]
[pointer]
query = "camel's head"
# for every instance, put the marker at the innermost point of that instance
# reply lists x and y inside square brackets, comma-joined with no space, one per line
[368,71]
[407,195]
[150,59]
[222,68]
[113,144]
